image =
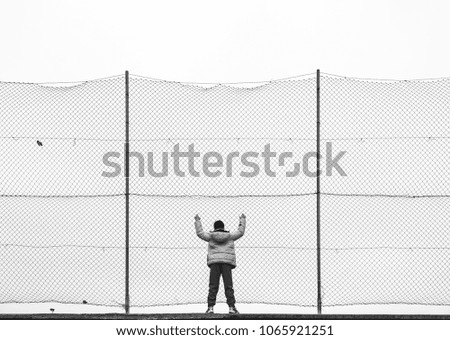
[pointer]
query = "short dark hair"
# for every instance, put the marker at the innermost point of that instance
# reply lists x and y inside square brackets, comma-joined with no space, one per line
[219,225]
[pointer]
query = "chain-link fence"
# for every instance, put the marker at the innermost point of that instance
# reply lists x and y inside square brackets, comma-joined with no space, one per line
[383,226]
[62,223]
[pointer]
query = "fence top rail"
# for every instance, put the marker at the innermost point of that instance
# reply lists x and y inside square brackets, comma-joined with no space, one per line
[387,80]
[227,83]
[62,83]
[296,77]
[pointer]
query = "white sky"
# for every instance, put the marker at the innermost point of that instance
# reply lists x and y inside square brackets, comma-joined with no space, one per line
[220,41]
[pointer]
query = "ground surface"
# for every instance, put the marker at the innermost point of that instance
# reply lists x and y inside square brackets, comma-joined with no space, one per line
[202,316]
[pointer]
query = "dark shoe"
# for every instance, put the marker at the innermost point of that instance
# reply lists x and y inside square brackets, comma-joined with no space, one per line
[233,310]
[210,310]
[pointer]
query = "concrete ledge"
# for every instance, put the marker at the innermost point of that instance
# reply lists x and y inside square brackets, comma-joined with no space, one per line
[202,316]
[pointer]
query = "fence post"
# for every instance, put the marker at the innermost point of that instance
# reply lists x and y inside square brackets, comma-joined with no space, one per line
[127,193]
[319,282]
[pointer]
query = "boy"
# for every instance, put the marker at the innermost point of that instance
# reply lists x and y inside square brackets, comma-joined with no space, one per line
[221,259]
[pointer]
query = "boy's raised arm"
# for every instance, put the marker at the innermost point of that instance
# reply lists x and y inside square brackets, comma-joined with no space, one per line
[199,229]
[241,229]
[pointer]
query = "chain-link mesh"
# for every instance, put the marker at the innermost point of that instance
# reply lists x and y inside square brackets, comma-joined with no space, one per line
[276,256]
[62,223]
[384,234]
[275,260]
[384,226]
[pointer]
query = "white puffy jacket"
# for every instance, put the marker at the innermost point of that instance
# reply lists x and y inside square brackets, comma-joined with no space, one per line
[220,243]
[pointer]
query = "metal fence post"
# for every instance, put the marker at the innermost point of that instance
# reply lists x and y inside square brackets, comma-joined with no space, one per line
[319,281]
[127,193]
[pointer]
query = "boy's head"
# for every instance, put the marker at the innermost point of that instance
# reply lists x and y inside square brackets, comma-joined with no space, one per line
[219,226]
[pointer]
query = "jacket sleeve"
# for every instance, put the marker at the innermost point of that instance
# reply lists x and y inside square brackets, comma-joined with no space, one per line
[234,235]
[200,232]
